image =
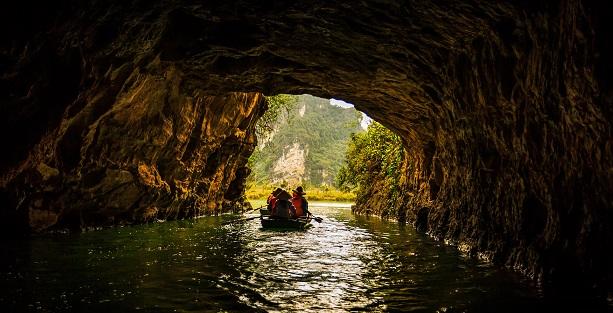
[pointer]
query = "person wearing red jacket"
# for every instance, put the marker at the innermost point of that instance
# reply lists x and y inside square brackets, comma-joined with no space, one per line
[272,201]
[301,205]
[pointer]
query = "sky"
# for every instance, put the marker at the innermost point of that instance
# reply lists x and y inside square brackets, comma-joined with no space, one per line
[340,103]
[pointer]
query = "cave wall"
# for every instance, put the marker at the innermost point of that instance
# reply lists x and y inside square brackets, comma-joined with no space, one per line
[504,106]
[518,167]
[99,139]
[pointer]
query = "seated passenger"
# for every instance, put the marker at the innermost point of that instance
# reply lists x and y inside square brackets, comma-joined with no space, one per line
[283,204]
[272,200]
[300,204]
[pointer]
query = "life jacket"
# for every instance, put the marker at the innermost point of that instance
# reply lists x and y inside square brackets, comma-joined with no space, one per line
[272,201]
[297,202]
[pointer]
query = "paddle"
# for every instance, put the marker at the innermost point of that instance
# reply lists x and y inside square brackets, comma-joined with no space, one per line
[244,219]
[317,218]
[256,209]
[240,220]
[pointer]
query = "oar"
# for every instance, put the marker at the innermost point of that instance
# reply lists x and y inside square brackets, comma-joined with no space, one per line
[317,218]
[240,220]
[256,209]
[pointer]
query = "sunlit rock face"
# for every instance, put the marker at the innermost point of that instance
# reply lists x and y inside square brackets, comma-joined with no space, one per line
[505,108]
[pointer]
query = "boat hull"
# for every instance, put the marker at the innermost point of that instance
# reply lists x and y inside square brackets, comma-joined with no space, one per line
[276,223]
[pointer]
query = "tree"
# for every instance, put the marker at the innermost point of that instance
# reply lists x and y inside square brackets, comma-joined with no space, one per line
[279,108]
[371,155]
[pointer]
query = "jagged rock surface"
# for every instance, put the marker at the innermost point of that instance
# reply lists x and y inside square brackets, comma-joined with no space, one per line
[135,147]
[505,107]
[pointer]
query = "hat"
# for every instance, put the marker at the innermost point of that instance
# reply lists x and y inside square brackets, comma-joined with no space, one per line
[299,190]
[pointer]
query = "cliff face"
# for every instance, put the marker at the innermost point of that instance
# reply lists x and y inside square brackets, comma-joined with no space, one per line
[308,146]
[505,109]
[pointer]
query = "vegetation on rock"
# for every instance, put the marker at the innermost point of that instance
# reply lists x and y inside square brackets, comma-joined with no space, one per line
[315,130]
[279,108]
[373,158]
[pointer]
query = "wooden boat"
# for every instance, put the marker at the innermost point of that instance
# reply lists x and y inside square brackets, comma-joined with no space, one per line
[278,223]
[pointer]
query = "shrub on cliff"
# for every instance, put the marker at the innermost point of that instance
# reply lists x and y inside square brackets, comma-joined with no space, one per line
[374,159]
[279,108]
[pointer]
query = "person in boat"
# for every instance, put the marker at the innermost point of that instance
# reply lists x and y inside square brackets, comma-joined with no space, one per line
[301,205]
[272,200]
[282,205]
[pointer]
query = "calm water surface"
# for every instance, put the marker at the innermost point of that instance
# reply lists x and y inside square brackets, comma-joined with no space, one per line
[346,263]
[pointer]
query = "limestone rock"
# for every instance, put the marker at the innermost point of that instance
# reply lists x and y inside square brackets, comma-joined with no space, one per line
[290,167]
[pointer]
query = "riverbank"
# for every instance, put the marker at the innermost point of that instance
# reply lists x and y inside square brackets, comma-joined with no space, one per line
[313,193]
[313,204]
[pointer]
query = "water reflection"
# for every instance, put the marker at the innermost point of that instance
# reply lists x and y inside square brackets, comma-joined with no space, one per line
[313,270]
[346,263]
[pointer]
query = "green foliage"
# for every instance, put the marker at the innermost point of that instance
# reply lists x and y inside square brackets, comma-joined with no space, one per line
[279,108]
[278,112]
[322,132]
[371,155]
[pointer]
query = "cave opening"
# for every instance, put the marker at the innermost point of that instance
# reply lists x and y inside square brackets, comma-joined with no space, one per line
[304,140]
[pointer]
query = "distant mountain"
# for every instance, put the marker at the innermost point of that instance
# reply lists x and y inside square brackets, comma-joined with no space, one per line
[308,146]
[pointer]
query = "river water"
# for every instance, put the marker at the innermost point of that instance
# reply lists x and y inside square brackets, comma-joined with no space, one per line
[346,263]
